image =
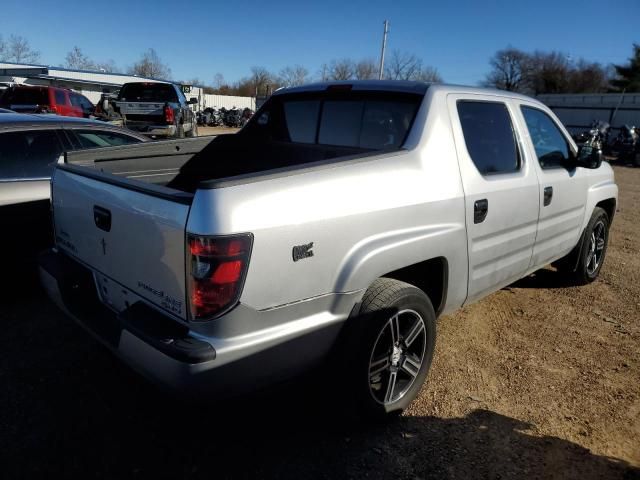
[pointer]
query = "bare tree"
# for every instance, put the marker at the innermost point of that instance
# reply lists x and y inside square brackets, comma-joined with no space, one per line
[261,81]
[150,65]
[366,69]
[590,77]
[293,76]
[323,73]
[402,66]
[545,72]
[18,50]
[510,70]
[218,81]
[549,73]
[343,69]
[77,60]
[429,75]
[407,66]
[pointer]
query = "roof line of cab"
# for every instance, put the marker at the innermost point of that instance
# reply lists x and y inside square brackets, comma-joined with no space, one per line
[11,119]
[396,86]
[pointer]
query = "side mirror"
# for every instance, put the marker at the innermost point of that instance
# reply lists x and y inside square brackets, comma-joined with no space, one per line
[192,101]
[589,157]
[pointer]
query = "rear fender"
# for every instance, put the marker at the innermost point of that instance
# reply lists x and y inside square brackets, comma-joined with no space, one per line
[378,255]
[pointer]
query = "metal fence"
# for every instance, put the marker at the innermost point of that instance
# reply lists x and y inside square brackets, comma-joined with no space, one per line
[578,111]
[227,101]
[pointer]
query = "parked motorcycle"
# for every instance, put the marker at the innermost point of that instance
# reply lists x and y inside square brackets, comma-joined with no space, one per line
[627,145]
[233,117]
[247,113]
[598,131]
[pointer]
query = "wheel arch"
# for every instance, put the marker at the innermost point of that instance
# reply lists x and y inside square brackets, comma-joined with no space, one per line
[430,276]
[609,206]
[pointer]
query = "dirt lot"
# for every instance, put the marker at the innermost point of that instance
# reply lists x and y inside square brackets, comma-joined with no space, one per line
[539,380]
[205,131]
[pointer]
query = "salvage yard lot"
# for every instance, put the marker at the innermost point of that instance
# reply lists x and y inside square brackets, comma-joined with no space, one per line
[541,379]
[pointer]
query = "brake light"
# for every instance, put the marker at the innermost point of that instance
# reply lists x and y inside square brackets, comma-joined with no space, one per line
[218,266]
[168,114]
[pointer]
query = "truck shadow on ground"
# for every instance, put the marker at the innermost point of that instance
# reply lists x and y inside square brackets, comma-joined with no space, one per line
[69,408]
[544,278]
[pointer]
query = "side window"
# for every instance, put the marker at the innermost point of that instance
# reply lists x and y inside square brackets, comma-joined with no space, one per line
[102,138]
[550,144]
[28,154]
[60,98]
[489,136]
[75,99]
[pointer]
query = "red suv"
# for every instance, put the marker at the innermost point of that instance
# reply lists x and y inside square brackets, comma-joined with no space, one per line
[61,101]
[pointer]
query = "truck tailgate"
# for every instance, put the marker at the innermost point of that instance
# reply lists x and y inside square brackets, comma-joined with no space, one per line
[126,235]
[141,108]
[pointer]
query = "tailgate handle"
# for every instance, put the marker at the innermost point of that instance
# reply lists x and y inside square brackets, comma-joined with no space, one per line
[102,218]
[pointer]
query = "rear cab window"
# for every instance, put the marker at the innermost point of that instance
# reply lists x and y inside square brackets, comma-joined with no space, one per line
[366,120]
[148,92]
[489,136]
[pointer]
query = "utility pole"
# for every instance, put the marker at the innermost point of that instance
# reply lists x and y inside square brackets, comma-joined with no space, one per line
[384,47]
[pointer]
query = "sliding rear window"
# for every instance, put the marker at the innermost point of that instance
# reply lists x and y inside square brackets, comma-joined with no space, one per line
[368,120]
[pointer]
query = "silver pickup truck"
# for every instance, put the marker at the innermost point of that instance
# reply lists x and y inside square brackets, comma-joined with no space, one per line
[340,222]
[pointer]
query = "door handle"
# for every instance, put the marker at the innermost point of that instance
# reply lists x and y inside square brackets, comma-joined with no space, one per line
[480,209]
[102,218]
[548,195]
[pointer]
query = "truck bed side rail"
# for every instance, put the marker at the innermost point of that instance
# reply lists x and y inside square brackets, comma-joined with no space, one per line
[152,163]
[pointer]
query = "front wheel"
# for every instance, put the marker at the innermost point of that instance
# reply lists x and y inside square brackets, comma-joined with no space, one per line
[594,247]
[395,330]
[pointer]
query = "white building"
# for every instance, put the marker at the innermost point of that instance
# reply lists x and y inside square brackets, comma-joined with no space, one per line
[92,84]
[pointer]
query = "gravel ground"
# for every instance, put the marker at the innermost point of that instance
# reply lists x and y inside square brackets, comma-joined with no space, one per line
[539,380]
[206,131]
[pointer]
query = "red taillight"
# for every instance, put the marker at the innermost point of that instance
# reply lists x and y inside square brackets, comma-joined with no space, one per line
[218,266]
[168,114]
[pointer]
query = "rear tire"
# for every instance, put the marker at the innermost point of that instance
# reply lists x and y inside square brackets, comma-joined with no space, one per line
[392,340]
[193,132]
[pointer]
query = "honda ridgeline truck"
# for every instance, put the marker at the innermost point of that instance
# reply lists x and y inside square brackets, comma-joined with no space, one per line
[342,220]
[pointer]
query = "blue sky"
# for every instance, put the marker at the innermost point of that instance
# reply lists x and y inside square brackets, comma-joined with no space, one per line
[205,37]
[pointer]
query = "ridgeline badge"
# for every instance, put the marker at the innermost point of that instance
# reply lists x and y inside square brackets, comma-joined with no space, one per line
[302,251]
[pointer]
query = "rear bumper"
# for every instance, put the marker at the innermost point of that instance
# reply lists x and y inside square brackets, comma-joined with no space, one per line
[153,130]
[219,359]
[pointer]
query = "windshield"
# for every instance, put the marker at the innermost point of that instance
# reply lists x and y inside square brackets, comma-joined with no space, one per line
[148,92]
